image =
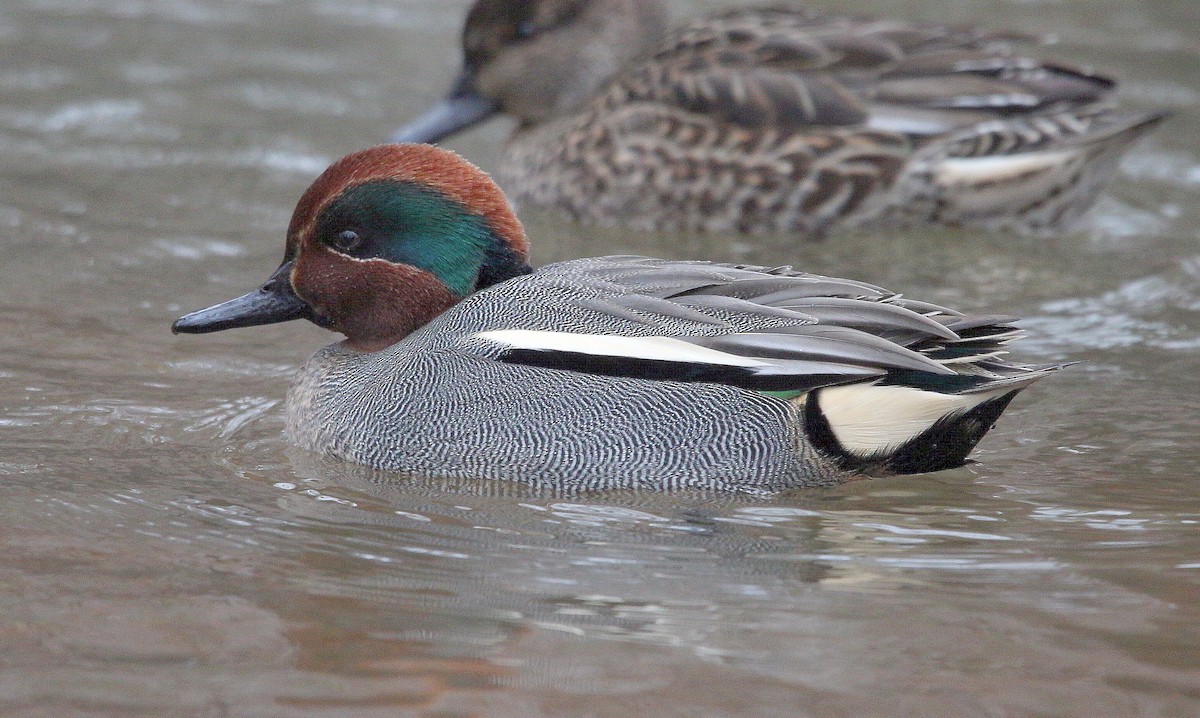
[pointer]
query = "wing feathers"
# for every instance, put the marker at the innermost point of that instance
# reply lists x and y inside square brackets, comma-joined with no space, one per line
[840,344]
[669,359]
[845,312]
[793,70]
[766,328]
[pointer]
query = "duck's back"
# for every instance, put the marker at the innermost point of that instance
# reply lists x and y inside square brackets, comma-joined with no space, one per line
[784,120]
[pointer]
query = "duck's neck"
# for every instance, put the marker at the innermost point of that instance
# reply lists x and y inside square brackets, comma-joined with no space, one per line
[574,65]
[500,264]
[406,298]
[627,30]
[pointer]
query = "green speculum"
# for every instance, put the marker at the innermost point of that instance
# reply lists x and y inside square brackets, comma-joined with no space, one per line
[788,394]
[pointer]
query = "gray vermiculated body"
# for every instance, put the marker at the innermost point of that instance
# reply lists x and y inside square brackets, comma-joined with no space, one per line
[466,417]
[438,403]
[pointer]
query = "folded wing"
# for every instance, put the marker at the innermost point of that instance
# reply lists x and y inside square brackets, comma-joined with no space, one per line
[882,380]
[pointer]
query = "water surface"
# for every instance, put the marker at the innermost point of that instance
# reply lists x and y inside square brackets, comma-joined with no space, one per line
[163,552]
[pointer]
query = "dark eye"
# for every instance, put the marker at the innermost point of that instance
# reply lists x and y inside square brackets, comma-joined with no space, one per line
[526,29]
[347,240]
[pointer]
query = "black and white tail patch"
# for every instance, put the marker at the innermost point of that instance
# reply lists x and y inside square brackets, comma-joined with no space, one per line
[900,430]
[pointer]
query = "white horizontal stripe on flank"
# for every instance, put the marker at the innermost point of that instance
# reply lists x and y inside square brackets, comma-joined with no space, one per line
[970,170]
[646,348]
[899,123]
[867,419]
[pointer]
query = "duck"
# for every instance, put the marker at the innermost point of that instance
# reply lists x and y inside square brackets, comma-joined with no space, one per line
[782,121]
[616,372]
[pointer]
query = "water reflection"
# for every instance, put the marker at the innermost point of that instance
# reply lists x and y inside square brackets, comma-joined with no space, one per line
[523,585]
[651,550]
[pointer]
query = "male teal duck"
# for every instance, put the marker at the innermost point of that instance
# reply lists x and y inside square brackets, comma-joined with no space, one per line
[779,120]
[460,360]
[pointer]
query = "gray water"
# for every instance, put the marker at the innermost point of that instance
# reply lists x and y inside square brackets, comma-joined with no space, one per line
[163,552]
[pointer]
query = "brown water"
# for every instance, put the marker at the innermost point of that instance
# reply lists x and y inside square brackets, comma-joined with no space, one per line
[164,553]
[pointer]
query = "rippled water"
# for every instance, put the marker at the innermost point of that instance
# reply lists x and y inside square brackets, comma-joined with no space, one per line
[164,553]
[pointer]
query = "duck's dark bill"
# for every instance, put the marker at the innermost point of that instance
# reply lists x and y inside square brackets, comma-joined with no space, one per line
[463,108]
[271,303]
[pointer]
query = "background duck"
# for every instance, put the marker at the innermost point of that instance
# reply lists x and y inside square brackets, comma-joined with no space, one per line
[779,120]
[460,360]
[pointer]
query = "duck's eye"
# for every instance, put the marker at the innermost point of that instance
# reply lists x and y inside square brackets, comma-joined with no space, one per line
[526,29]
[347,240]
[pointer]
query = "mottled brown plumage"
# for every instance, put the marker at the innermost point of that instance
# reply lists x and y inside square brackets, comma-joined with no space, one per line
[780,119]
